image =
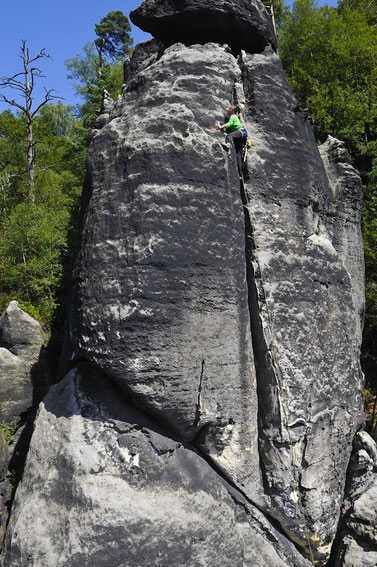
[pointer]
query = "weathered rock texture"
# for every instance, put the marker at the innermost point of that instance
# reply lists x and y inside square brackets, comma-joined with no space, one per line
[358,532]
[170,320]
[116,490]
[306,327]
[234,330]
[244,24]
[344,219]
[23,377]
[3,492]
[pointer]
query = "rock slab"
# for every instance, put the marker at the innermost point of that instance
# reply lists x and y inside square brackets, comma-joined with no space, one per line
[358,533]
[145,498]
[160,291]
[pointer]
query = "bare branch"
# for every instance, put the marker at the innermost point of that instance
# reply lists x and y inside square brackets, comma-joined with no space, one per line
[41,54]
[6,79]
[37,72]
[11,102]
[26,88]
[20,88]
[48,97]
[27,171]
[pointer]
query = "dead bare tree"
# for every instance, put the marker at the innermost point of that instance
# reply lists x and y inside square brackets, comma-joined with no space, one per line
[23,82]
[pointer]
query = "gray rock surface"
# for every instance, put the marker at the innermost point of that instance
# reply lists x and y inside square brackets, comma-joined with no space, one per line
[105,485]
[358,534]
[3,452]
[3,492]
[344,219]
[169,319]
[21,343]
[243,24]
[235,331]
[144,54]
[304,321]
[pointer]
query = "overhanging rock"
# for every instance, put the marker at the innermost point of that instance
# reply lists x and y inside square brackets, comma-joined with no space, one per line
[242,24]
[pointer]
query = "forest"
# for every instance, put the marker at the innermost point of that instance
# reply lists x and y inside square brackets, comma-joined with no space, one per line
[330,57]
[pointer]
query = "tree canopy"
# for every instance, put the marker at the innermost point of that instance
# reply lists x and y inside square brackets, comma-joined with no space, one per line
[100,67]
[113,33]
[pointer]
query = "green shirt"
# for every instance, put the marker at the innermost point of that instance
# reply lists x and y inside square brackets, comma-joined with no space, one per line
[234,124]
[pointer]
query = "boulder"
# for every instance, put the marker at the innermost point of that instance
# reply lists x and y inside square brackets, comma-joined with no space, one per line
[20,333]
[23,376]
[197,334]
[106,485]
[242,24]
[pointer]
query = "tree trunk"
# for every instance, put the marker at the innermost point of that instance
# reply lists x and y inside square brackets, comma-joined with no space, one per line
[29,125]
[100,58]
[30,158]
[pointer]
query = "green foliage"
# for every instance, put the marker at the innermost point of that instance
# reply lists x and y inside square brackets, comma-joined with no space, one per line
[366,7]
[330,60]
[92,73]
[34,237]
[33,244]
[9,430]
[330,57]
[90,86]
[113,33]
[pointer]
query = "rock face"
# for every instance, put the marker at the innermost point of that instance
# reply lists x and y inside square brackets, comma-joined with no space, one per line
[305,325]
[244,24]
[21,343]
[3,495]
[166,302]
[227,312]
[358,533]
[145,497]
[344,218]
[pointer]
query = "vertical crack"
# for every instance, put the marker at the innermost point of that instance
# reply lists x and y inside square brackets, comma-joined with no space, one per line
[273,414]
[198,413]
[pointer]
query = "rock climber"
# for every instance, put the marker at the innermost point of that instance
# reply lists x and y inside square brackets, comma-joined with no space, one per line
[236,133]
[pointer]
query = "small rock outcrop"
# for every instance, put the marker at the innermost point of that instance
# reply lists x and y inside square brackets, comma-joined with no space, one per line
[215,386]
[244,24]
[23,377]
[358,527]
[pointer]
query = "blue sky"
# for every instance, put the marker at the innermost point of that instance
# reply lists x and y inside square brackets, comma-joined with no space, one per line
[62,28]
